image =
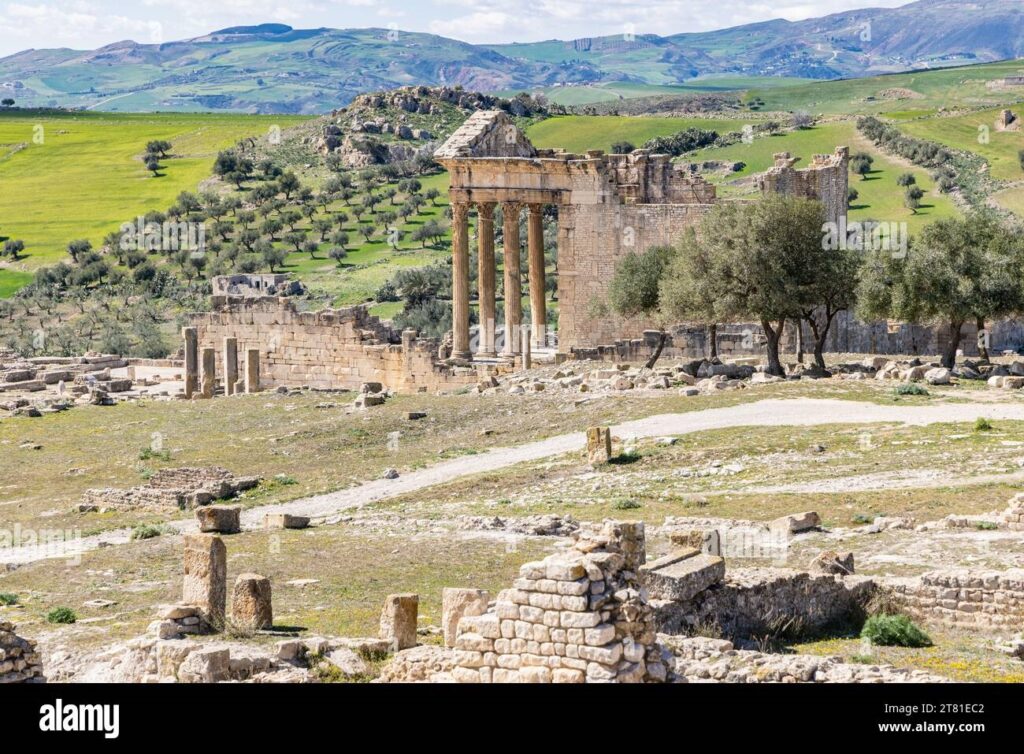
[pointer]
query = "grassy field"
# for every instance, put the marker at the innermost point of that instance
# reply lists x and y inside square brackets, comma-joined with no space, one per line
[976,133]
[80,175]
[612,91]
[578,133]
[927,90]
[879,197]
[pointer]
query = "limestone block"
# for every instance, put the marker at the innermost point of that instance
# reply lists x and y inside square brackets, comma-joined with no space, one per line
[223,519]
[795,523]
[456,603]
[206,666]
[398,620]
[284,521]
[251,606]
[205,582]
[682,575]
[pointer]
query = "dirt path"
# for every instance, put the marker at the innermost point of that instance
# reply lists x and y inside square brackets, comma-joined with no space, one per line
[796,412]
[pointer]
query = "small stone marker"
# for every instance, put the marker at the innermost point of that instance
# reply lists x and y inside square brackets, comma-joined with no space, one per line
[398,620]
[222,519]
[251,605]
[206,573]
[599,445]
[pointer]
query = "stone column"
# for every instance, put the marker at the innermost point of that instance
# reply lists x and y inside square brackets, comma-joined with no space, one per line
[252,370]
[513,278]
[485,278]
[206,574]
[230,365]
[191,336]
[526,339]
[460,281]
[535,240]
[208,374]
[251,602]
[457,603]
[398,620]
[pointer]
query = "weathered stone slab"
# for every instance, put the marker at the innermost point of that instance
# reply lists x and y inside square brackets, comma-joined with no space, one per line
[682,575]
[599,445]
[285,521]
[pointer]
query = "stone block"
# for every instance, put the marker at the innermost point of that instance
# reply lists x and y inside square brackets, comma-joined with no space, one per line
[206,666]
[398,620]
[456,603]
[222,519]
[599,445]
[795,523]
[205,582]
[284,521]
[251,603]
[682,575]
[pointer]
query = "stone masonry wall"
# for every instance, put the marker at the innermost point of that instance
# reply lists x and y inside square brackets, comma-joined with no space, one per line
[574,617]
[19,661]
[963,597]
[331,349]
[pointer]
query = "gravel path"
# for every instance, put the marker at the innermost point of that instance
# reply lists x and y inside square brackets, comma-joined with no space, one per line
[795,412]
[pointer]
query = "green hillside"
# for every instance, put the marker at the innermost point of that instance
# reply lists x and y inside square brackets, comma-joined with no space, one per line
[87,176]
[578,133]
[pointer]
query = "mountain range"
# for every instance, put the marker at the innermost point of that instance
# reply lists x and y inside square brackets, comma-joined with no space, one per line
[274,68]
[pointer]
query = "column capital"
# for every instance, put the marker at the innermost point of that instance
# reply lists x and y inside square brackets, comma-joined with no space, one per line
[460,211]
[485,210]
[536,209]
[512,207]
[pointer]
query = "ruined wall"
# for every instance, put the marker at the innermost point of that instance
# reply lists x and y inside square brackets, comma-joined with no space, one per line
[759,601]
[574,617]
[19,660]
[963,597]
[826,179]
[330,349]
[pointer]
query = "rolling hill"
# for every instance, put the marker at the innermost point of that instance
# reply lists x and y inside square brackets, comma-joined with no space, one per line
[273,68]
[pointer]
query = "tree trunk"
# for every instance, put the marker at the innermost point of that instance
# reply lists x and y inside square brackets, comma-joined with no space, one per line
[982,341]
[713,339]
[772,337]
[662,337]
[799,340]
[949,357]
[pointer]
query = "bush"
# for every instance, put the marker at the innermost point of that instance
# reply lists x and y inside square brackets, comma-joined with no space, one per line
[894,631]
[61,615]
[6,598]
[981,424]
[910,389]
[147,532]
[626,505]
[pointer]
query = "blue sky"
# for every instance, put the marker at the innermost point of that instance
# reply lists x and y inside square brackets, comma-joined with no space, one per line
[86,24]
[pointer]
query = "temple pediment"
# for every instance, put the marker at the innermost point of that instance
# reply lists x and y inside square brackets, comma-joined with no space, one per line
[486,133]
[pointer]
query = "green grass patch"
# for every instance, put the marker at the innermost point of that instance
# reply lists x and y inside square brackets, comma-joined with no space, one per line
[61,615]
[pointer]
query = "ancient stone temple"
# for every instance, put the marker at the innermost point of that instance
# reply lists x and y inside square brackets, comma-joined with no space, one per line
[608,205]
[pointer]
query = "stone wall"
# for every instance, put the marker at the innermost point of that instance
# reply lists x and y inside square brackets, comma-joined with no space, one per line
[574,617]
[826,179]
[19,661]
[335,349]
[963,597]
[762,601]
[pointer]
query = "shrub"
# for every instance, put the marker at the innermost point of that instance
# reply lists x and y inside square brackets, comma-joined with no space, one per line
[863,518]
[147,531]
[61,615]
[626,505]
[147,453]
[6,598]
[981,424]
[894,631]
[910,389]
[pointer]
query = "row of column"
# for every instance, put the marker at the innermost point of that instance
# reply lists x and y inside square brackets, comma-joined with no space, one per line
[486,278]
[201,367]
